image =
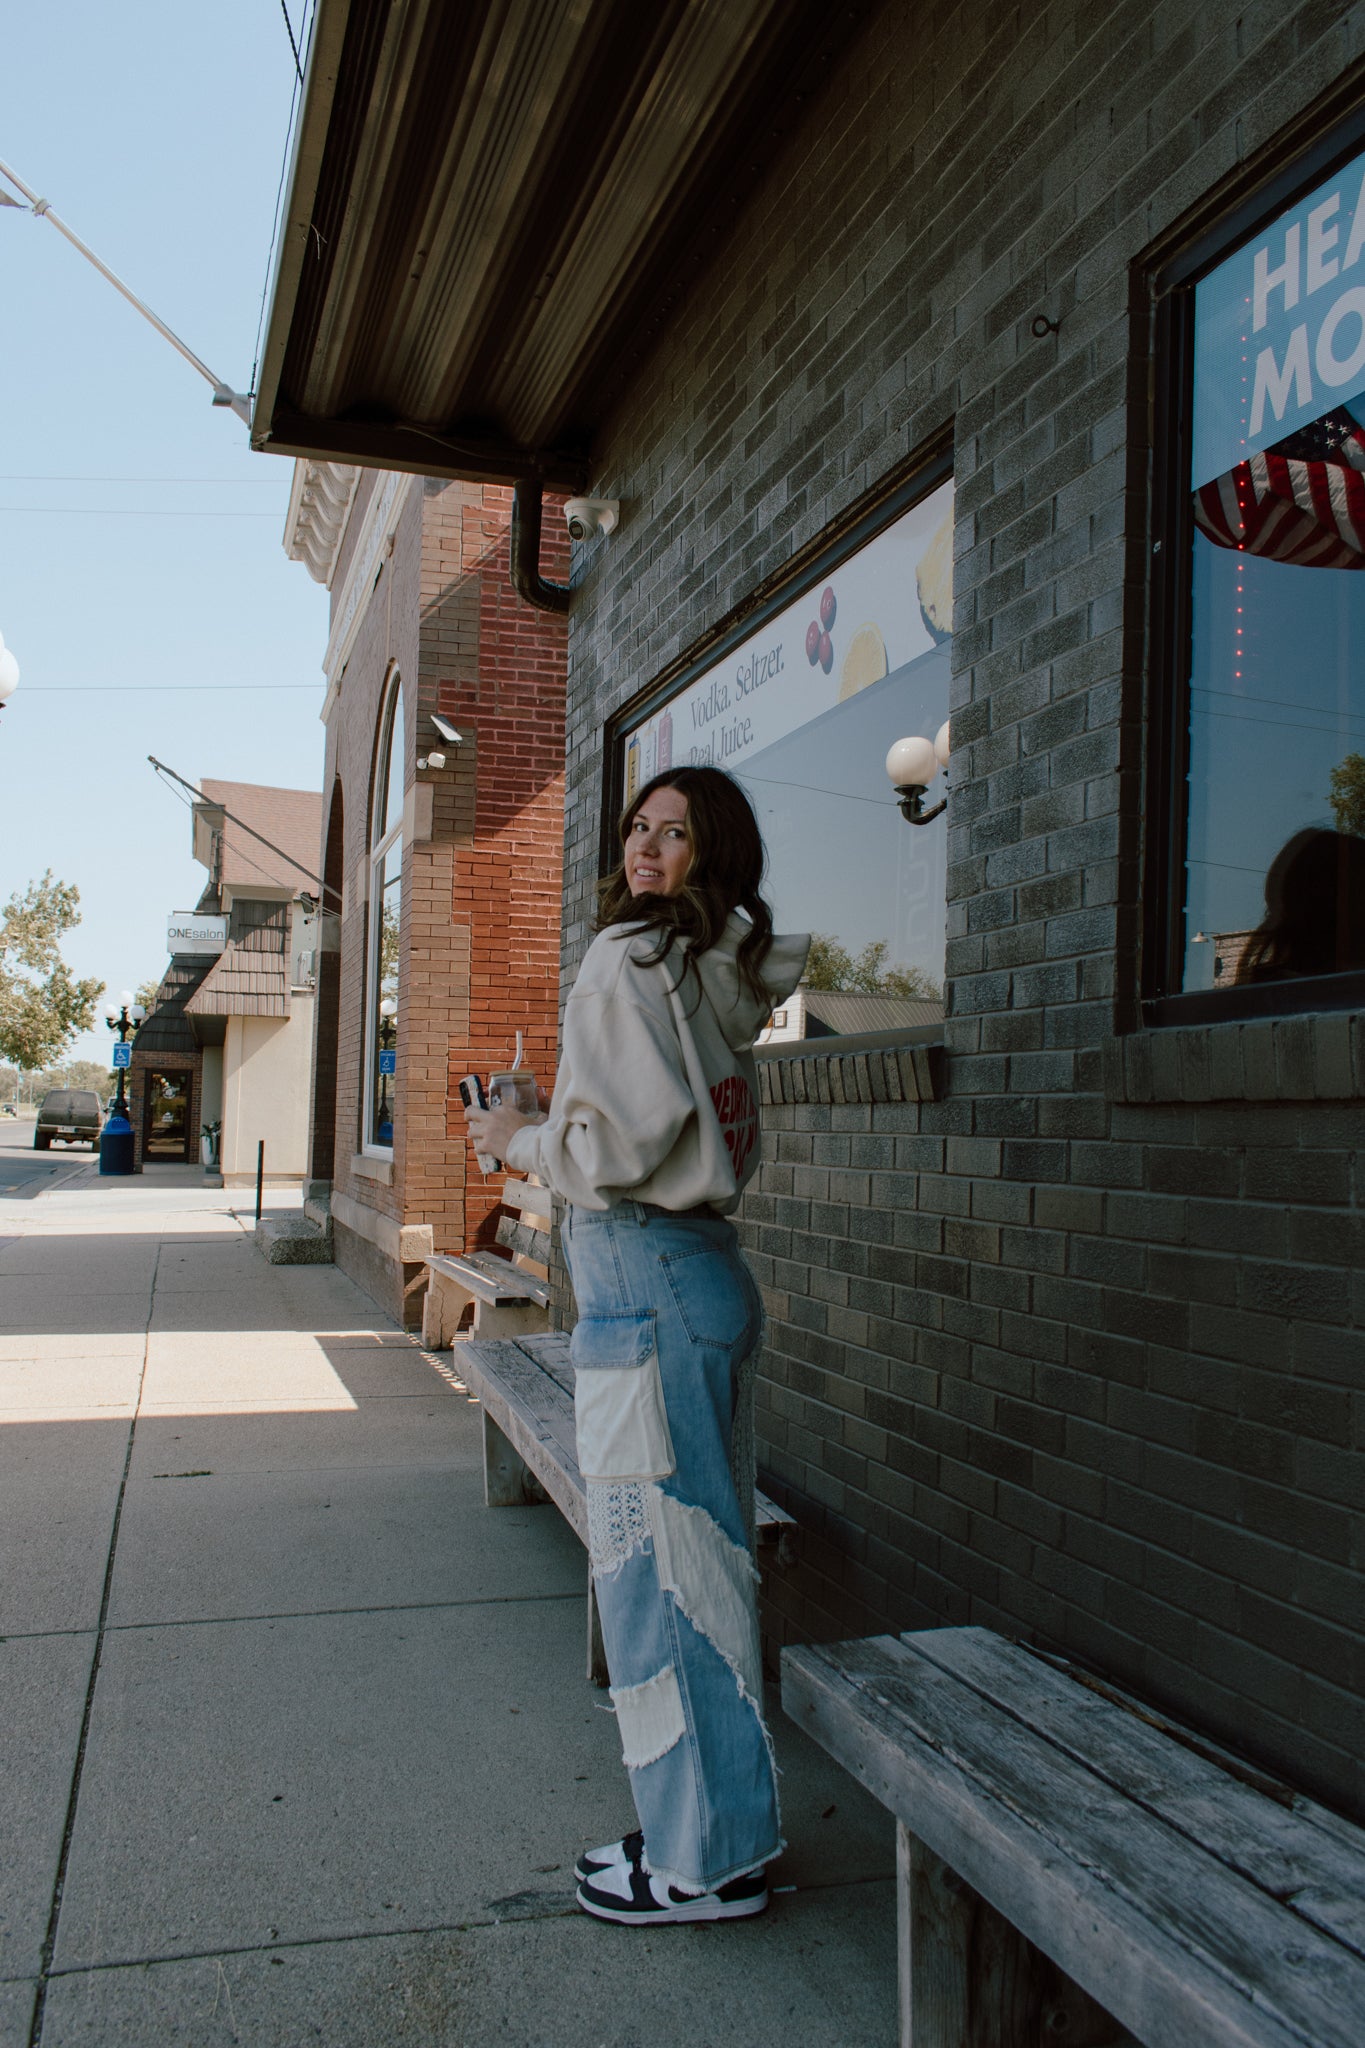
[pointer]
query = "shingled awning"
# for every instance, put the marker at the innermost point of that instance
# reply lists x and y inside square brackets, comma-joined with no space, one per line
[495,208]
[250,977]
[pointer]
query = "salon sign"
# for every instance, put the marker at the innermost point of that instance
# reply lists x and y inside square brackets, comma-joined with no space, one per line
[188,932]
[1279,328]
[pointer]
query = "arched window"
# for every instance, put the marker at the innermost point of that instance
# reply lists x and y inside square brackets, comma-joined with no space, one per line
[381,978]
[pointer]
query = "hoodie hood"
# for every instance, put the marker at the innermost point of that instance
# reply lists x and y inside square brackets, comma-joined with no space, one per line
[739,1013]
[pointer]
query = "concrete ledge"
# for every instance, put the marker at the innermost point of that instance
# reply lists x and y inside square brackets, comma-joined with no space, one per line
[293,1241]
[402,1242]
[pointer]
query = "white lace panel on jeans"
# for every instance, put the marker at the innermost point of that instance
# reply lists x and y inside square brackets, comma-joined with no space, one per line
[618,1522]
[649,1717]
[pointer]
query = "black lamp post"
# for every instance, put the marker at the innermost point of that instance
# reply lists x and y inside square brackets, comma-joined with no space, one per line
[388,1011]
[912,765]
[116,1140]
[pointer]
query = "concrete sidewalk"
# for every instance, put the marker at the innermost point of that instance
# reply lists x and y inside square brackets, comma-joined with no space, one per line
[294,1734]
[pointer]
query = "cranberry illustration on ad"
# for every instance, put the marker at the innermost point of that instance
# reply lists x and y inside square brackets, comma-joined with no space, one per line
[819,645]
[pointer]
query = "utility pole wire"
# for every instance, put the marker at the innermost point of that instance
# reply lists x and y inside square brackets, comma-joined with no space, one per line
[223,394]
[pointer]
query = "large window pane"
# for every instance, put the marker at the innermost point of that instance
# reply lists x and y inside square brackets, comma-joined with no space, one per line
[1275,853]
[803,714]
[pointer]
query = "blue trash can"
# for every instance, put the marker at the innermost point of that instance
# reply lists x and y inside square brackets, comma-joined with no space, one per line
[116,1146]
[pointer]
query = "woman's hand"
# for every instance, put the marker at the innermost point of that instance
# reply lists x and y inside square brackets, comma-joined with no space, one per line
[492,1130]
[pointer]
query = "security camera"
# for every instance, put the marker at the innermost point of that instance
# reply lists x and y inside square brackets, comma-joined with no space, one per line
[432,760]
[587,516]
[447,730]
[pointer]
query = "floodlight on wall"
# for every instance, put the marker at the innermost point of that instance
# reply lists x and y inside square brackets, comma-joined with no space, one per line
[912,765]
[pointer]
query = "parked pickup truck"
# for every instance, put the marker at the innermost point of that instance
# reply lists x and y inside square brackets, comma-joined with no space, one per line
[70,1114]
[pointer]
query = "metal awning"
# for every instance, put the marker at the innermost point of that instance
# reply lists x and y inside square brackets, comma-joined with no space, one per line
[494,207]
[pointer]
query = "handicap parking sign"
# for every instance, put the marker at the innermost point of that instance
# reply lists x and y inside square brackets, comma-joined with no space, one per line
[123,1056]
[388,1061]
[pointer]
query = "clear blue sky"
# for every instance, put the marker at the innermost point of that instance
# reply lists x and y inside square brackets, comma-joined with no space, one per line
[157,130]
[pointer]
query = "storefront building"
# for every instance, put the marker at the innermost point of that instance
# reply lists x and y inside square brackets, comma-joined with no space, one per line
[221,1067]
[1017,383]
[438,935]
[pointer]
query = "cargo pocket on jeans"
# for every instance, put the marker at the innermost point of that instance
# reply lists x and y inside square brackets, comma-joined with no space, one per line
[619,1414]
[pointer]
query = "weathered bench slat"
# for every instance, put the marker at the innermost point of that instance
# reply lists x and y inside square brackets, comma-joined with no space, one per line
[524,1238]
[1177,1947]
[505,1382]
[1272,1836]
[489,1278]
[533,1201]
[550,1351]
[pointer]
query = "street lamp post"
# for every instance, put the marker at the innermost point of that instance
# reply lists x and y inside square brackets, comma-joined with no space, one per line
[116,1140]
[388,1011]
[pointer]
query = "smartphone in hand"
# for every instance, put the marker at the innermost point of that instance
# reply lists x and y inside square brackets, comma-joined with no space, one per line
[473,1097]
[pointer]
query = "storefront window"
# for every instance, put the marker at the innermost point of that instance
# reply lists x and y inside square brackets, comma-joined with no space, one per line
[1274,868]
[381,982]
[803,712]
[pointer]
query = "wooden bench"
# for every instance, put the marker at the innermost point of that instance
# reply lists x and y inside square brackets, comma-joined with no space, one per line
[508,1295]
[525,1387]
[1048,1823]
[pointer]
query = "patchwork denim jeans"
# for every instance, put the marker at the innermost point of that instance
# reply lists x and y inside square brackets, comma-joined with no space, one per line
[668,1324]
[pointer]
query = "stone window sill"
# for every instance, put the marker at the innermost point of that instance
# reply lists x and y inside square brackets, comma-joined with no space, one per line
[369,1166]
[1264,1059]
[874,1068]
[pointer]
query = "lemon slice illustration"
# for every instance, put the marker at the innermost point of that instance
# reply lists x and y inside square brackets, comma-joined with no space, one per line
[934,583]
[864,662]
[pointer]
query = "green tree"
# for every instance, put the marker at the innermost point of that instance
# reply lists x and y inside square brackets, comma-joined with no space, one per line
[1348,795]
[831,966]
[146,993]
[42,1006]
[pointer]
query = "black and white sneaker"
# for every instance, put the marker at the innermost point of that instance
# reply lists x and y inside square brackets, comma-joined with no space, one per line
[629,1849]
[626,1893]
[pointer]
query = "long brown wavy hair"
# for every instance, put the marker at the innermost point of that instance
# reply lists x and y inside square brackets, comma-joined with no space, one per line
[724,874]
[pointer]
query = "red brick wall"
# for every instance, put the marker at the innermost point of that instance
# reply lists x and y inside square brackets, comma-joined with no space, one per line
[482,883]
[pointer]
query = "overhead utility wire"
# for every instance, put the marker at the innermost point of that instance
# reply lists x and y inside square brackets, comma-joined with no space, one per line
[223,394]
[198,795]
[292,44]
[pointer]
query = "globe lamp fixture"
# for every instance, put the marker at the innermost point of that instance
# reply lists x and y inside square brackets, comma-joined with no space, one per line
[912,764]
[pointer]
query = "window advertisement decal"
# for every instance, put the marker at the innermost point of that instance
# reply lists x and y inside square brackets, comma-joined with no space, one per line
[803,713]
[1280,328]
[1275,849]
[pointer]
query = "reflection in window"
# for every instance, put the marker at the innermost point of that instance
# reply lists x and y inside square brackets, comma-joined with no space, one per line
[381,981]
[1275,849]
[803,713]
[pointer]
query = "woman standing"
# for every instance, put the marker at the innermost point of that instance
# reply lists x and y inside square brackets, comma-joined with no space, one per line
[651,1137]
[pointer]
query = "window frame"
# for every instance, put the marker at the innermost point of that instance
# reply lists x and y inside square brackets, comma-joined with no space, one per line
[379,845]
[1260,198]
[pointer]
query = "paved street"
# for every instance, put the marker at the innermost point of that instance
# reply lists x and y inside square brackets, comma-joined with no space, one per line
[25,1173]
[294,1729]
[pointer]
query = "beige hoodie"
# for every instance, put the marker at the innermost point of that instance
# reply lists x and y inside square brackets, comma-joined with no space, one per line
[657,1094]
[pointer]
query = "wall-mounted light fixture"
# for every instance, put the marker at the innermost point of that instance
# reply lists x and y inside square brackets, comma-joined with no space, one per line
[912,765]
[434,758]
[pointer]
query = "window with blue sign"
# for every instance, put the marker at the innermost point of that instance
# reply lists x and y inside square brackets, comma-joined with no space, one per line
[1269,728]
[385,893]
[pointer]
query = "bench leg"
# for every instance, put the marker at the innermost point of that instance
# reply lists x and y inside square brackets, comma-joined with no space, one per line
[597,1654]
[510,1319]
[507,1482]
[968,1979]
[443,1304]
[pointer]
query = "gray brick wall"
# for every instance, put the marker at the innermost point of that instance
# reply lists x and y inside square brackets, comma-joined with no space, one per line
[1076,1350]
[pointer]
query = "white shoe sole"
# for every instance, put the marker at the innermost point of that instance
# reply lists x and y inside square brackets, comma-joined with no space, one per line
[705,1908]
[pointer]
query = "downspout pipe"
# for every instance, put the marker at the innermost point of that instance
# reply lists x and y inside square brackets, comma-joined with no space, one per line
[527,580]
